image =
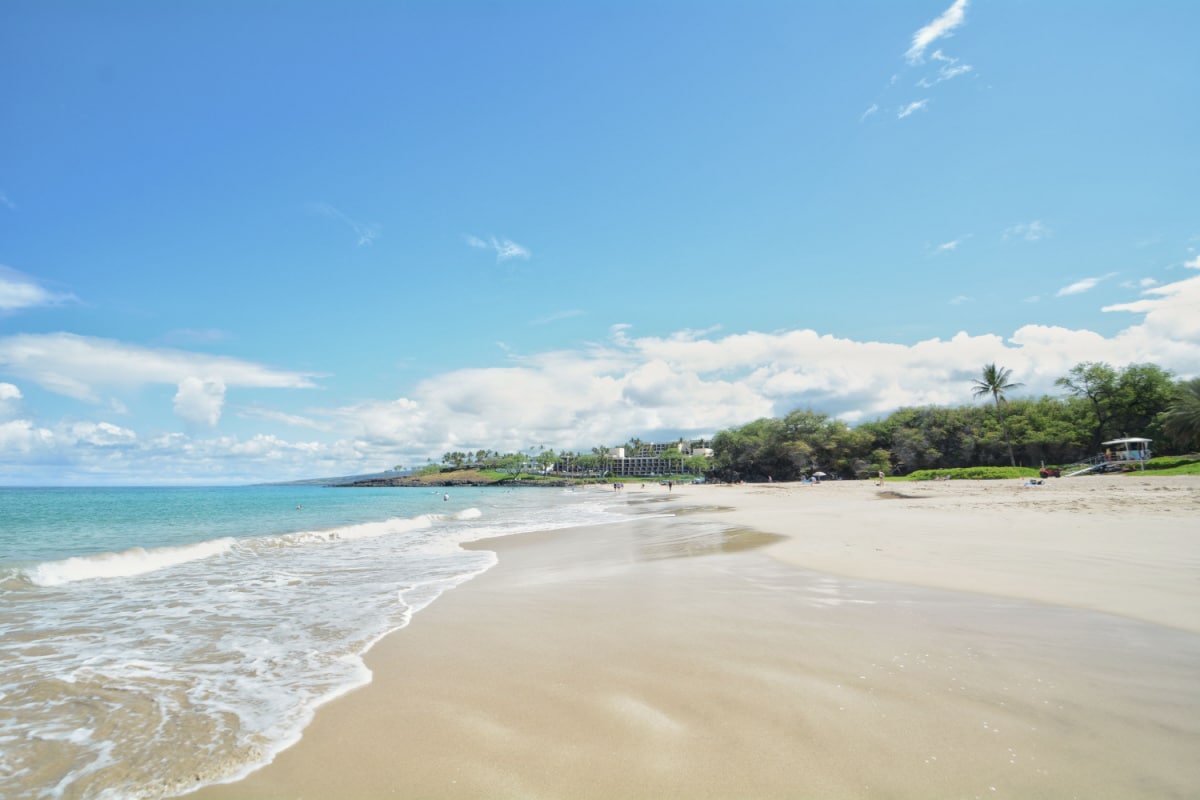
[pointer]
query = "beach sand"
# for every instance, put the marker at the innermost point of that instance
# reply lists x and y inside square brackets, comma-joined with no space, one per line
[935,640]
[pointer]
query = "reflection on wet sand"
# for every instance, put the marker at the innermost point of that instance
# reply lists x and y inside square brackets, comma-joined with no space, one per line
[692,539]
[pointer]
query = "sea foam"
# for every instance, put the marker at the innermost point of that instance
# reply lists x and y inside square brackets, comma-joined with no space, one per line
[135,561]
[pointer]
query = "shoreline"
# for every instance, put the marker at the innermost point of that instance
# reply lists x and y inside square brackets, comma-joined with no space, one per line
[702,656]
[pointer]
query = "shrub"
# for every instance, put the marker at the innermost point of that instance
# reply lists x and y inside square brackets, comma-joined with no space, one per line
[973,473]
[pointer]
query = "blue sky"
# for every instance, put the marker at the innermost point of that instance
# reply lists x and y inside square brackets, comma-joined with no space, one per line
[246,241]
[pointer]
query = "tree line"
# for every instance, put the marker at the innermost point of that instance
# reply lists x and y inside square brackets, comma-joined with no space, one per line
[1100,403]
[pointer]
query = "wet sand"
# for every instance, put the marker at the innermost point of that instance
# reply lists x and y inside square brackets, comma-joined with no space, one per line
[964,640]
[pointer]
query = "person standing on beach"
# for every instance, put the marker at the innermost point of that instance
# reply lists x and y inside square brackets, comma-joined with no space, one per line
[881,477]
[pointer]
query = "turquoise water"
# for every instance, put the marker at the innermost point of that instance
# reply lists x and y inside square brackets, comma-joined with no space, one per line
[153,640]
[43,524]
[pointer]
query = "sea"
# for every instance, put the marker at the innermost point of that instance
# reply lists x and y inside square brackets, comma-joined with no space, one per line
[154,640]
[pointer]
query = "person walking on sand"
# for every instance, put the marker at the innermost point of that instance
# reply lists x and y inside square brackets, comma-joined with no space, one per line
[881,477]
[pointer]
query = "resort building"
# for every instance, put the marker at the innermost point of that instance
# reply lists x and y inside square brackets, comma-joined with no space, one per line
[657,458]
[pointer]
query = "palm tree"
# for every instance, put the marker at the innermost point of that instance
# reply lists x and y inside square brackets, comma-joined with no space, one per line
[1182,420]
[601,452]
[994,381]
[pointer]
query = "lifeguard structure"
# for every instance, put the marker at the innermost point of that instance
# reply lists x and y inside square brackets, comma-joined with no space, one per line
[1118,456]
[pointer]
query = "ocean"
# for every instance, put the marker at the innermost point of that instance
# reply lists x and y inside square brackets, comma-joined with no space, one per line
[153,640]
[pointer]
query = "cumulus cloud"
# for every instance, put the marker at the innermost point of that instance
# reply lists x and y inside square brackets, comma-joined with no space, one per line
[1193,263]
[200,401]
[943,26]
[98,453]
[911,108]
[102,434]
[693,383]
[504,249]
[81,366]
[22,437]
[1170,311]
[19,291]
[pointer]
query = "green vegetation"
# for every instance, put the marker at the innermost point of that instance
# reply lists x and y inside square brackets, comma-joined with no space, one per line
[973,473]
[1102,403]
[1182,420]
[1174,465]
[995,382]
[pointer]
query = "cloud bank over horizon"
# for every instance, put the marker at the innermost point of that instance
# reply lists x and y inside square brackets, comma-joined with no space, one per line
[656,387]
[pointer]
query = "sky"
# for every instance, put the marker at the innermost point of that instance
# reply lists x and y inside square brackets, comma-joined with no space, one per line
[262,240]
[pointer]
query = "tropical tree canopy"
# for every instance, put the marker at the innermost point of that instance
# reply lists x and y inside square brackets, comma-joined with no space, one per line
[1182,420]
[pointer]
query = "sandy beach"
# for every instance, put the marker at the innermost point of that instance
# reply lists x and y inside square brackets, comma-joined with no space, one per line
[934,640]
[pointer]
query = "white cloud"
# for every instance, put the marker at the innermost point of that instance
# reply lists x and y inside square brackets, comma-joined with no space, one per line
[950,69]
[874,107]
[1078,287]
[366,232]
[943,26]
[1081,286]
[946,247]
[21,437]
[98,453]
[10,398]
[687,383]
[504,248]
[18,291]
[912,108]
[1194,263]
[1172,311]
[200,401]
[959,300]
[102,434]
[1029,231]
[80,366]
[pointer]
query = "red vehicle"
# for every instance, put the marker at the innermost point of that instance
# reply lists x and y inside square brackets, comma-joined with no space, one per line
[1050,472]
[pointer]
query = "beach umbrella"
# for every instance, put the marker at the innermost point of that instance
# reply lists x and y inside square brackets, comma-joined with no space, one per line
[820,475]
